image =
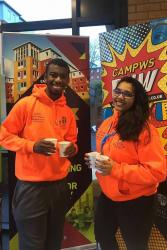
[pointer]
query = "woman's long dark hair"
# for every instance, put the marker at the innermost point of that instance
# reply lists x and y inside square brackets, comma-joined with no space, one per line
[132,121]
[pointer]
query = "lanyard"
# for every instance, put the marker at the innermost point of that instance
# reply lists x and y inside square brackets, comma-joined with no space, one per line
[106,137]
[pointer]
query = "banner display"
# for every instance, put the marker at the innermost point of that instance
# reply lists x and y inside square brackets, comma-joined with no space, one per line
[2,85]
[140,51]
[0,146]
[25,57]
[1,97]
[3,218]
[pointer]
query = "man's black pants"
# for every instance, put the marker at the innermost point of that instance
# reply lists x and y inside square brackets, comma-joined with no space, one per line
[39,210]
[134,218]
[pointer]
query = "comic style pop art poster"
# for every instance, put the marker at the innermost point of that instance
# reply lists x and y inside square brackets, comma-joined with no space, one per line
[140,51]
[25,57]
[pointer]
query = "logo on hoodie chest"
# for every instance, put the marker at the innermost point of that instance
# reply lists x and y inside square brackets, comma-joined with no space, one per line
[119,144]
[38,117]
[61,122]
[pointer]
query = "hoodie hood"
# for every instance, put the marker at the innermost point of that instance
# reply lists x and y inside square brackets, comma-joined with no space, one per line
[40,94]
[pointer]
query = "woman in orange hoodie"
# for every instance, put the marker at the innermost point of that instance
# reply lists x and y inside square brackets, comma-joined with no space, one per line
[41,194]
[130,177]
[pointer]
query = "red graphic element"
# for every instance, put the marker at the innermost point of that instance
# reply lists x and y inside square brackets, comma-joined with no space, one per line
[141,63]
[164,134]
[165,147]
[75,238]
[70,48]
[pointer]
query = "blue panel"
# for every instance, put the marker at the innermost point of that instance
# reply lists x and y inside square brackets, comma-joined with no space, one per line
[158,112]
[1,12]
[107,112]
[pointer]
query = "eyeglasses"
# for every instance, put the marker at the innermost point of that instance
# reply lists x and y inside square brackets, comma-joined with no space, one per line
[124,93]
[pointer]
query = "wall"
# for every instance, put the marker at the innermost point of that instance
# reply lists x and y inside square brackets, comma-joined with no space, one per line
[141,11]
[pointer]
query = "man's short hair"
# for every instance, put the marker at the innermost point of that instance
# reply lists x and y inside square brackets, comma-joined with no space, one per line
[58,61]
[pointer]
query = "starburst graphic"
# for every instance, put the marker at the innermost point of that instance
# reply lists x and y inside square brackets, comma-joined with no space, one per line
[147,63]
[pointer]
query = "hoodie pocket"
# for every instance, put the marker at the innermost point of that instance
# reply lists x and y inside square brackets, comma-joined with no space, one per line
[123,187]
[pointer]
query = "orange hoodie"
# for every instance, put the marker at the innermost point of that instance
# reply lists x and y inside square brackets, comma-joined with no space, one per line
[138,166]
[33,118]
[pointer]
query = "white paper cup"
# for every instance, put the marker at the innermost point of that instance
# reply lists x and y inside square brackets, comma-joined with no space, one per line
[62,147]
[102,157]
[54,140]
[92,158]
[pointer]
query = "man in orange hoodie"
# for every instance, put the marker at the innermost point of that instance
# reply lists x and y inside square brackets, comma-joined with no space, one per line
[41,194]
